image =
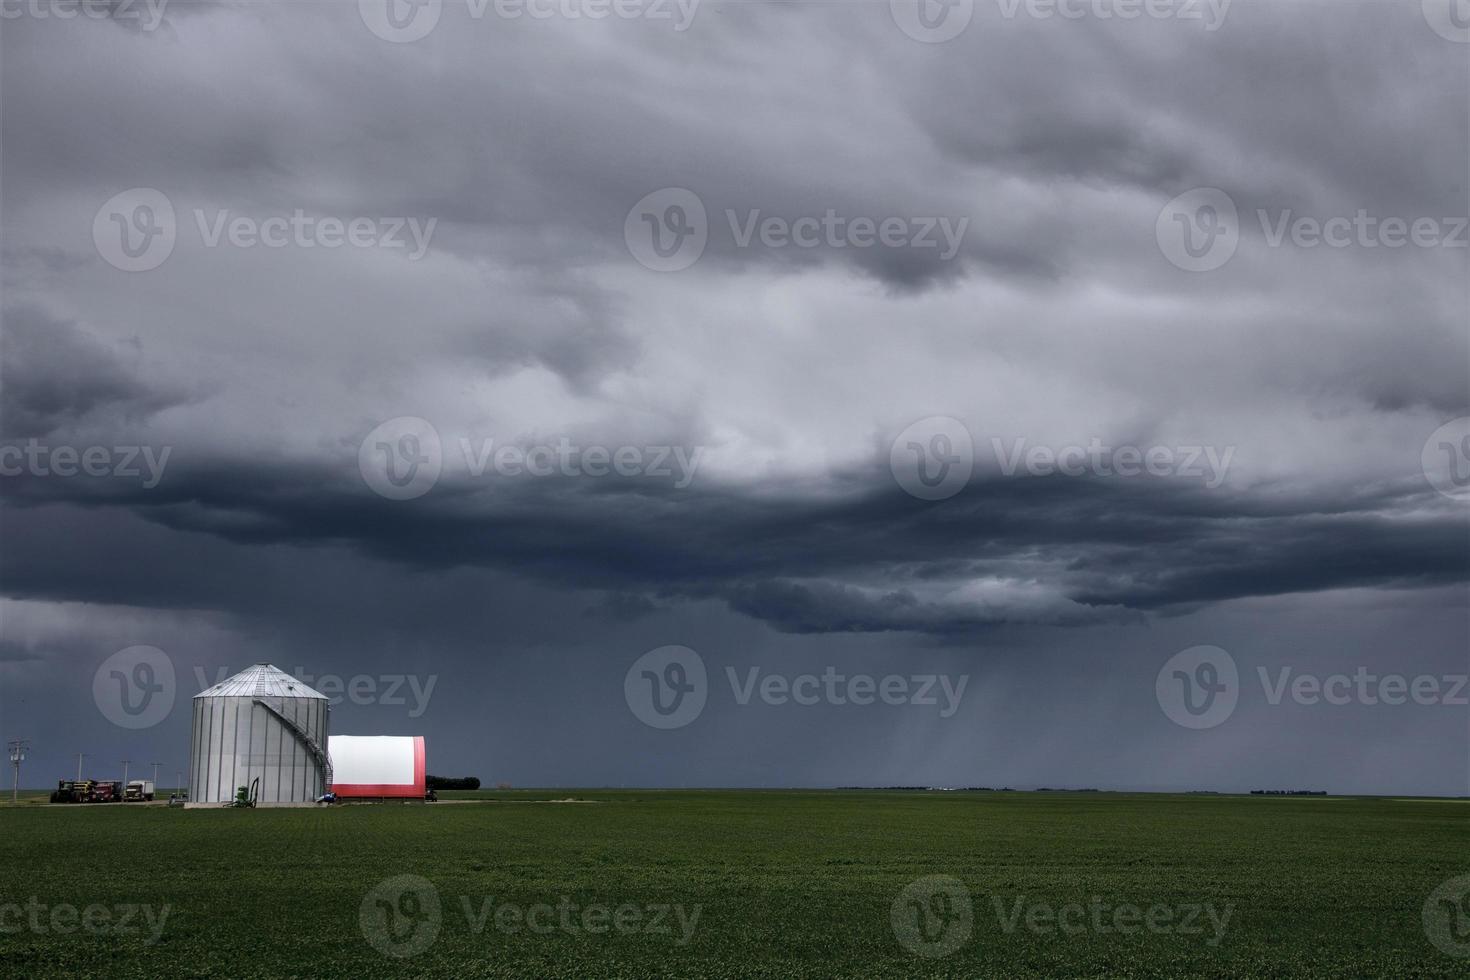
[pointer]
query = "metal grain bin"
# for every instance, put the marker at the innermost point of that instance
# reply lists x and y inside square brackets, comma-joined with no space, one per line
[261,723]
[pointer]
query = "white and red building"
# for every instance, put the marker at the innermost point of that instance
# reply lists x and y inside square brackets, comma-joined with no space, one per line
[377,766]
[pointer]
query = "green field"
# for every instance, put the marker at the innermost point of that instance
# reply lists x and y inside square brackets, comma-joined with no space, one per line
[768,883]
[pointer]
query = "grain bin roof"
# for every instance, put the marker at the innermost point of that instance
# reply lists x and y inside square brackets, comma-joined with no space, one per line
[261,681]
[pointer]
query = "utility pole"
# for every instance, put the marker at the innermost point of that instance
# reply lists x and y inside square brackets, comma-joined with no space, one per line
[178,780]
[17,748]
[155,766]
[80,757]
[125,774]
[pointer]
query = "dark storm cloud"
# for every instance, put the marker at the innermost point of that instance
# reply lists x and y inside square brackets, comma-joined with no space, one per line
[1062,550]
[54,374]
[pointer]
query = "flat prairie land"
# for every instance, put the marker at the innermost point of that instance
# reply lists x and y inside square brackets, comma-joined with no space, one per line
[743,883]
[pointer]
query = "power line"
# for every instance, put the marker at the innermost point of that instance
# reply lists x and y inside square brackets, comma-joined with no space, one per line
[17,747]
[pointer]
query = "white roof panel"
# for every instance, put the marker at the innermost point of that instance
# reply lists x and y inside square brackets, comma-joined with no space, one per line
[261,681]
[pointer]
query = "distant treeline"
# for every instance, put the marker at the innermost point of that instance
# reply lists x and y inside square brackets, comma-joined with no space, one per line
[451,782]
[1288,792]
[916,789]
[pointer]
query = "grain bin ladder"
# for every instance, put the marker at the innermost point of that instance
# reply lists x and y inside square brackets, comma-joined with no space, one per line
[317,752]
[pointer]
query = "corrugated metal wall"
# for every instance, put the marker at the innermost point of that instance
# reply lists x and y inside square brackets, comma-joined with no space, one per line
[235,740]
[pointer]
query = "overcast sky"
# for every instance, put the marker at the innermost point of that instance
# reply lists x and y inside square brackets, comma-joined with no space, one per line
[495,346]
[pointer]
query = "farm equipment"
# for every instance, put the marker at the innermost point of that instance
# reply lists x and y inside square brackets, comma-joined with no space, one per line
[246,797]
[106,791]
[71,791]
[138,790]
[88,791]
